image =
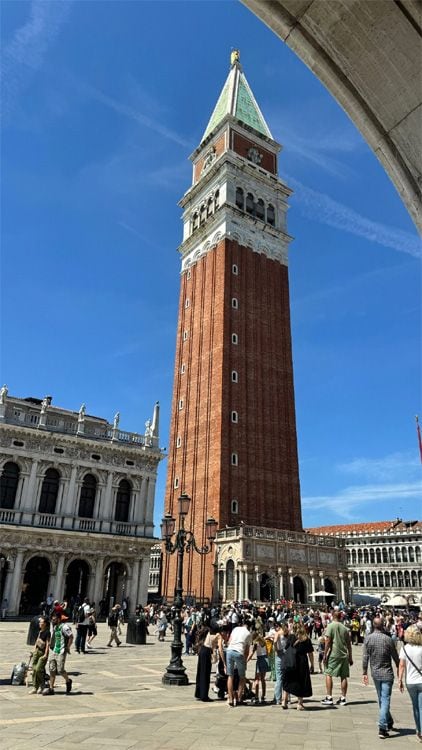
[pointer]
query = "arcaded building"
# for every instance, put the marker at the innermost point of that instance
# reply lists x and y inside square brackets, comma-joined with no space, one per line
[76,504]
[233,442]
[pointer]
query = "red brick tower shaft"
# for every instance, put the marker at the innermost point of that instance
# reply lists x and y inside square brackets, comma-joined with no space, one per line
[233,443]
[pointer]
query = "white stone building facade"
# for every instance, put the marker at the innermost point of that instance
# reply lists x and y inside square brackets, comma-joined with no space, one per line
[384,558]
[263,564]
[76,505]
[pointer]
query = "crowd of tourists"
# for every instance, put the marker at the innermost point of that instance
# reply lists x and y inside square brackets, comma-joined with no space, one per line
[288,643]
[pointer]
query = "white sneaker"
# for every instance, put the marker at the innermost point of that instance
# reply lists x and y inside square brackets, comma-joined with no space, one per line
[341,701]
[327,701]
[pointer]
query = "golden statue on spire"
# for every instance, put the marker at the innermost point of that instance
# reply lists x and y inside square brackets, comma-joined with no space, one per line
[234,57]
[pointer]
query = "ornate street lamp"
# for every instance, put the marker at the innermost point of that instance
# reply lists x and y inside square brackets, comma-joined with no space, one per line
[175,673]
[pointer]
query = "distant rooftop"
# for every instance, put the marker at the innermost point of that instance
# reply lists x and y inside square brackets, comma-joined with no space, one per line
[371,527]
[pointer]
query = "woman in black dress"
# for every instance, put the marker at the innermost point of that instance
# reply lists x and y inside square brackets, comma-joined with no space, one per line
[208,639]
[296,674]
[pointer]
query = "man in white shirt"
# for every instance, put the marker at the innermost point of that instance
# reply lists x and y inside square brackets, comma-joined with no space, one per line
[236,656]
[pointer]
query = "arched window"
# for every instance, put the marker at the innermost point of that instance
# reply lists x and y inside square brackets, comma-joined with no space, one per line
[210,206]
[249,204]
[374,579]
[380,579]
[372,555]
[365,556]
[404,554]
[202,214]
[353,557]
[407,579]
[260,209]
[240,198]
[393,579]
[349,557]
[420,578]
[378,554]
[387,578]
[367,579]
[235,506]
[411,552]
[398,555]
[270,215]
[418,554]
[216,200]
[414,578]
[230,573]
[361,579]
[384,555]
[123,501]
[360,557]
[355,579]
[400,578]
[391,554]
[9,485]
[49,491]
[195,221]
[87,496]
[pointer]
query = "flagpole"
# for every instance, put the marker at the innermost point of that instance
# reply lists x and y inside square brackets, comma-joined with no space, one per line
[418,430]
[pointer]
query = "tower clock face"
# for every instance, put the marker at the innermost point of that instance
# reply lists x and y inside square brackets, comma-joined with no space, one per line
[254,155]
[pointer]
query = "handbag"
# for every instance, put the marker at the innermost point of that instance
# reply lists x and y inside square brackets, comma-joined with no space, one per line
[289,661]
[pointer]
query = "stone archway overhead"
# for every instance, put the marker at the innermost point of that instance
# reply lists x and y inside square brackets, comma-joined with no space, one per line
[368,56]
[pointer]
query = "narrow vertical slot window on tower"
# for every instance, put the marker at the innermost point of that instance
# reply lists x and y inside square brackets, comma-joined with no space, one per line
[176,482]
[178,442]
[185,335]
[181,403]
[187,303]
[183,369]
[234,338]
[235,377]
[234,506]
[235,417]
[235,303]
[235,459]
[235,270]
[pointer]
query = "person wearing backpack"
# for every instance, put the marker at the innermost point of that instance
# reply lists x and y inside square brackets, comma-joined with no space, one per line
[82,626]
[61,641]
[113,621]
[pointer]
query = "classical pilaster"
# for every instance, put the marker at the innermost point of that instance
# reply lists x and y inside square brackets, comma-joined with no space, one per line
[56,583]
[13,588]
[70,500]
[149,520]
[29,498]
[96,592]
[143,500]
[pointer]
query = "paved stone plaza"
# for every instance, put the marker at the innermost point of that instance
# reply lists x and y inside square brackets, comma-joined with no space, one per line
[118,700]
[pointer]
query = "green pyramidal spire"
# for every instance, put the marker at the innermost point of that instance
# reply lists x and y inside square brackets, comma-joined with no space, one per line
[237,99]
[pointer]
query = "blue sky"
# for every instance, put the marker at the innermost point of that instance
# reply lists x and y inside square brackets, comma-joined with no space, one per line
[102,103]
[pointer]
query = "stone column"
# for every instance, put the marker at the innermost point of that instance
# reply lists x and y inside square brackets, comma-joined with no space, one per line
[256,583]
[56,582]
[143,500]
[342,587]
[143,579]
[241,592]
[96,588]
[29,499]
[236,583]
[13,588]
[291,594]
[321,579]
[224,585]
[108,498]
[134,589]
[69,505]
[312,574]
[149,519]
[280,583]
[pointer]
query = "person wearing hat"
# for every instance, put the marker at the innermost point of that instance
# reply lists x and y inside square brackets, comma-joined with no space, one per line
[61,641]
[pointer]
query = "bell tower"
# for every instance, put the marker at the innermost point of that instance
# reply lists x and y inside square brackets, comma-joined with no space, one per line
[233,443]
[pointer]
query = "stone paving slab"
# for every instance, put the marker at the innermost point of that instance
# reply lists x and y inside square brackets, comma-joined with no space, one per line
[118,700]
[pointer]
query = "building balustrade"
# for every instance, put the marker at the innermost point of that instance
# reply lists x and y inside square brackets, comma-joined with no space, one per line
[273,534]
[23,517]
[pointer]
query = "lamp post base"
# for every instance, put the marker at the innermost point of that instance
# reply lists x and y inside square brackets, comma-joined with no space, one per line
[175,678]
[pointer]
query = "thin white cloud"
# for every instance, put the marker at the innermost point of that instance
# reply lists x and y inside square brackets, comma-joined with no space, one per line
[345,502]
[385,468]
[25,52]
[326,210]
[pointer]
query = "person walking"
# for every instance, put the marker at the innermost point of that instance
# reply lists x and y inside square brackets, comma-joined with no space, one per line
[60,644]
[411,667]
[113,621]
[379,650]
[82,626]
[40,656]
[337,659]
